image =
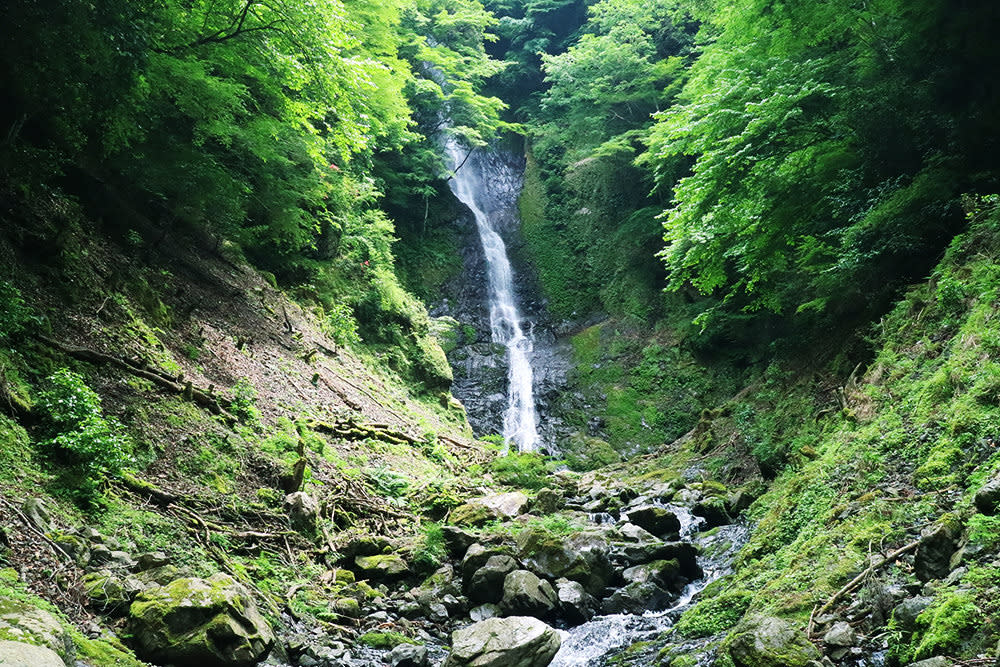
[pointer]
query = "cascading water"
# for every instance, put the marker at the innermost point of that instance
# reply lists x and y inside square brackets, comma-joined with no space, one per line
[470,184]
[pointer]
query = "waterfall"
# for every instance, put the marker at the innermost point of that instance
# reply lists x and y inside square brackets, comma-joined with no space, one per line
[470,182]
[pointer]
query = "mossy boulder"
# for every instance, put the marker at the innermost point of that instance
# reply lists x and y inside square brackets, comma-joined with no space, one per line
[584,557]
[766,641]
[490,508]
[384,567]
[212,622]
[25,623]
[109,592]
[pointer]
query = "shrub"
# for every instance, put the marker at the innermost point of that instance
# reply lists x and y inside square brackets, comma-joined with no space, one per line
[97,446]
[526,471]
[15,315]
[244,403]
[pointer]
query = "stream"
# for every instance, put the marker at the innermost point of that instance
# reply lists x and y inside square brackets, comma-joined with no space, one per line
[597,641]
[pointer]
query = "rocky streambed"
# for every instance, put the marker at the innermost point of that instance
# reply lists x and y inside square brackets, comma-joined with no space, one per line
[571,576]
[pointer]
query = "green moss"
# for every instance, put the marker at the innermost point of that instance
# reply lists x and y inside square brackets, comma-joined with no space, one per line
[714,615]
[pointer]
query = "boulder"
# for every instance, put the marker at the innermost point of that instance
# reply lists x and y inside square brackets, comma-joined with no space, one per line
[75,546]
[657,520]
[634,533]
[665,573]
[583,557]
[636,598]
[988,497]
[151,560]
[476,557]
[490,508]
[111,593]
[765,641]
[487,583]
[685,553]
[302,511]
[938,543]
[484,611]
[906,612]
[384,567]
[38,514]
[19,654]
[517,641]
[212,622]
[525,594]
[936,661]
[548,501]
[456,540]
[840,635]
[22,621]
[576,605]
[408,655]
[365,545]
[713,510]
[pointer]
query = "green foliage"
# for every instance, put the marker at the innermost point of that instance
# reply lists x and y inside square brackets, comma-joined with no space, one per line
[244,402]
[714,615]
[942,628]
[80,435]
[339,324]
[430,551]
[522,470]
[15,315]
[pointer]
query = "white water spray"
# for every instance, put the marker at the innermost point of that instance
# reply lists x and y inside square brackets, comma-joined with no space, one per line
[470,184]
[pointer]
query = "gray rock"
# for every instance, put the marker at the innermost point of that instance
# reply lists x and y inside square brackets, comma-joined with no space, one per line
[38,514]
[657,520]
[906,612]
[212,622]
[665,573]
[383,567]
[685,553]
[765,641]
[302,511]
[20,620]
[408,655]
[583,557]
[636,598]
[110,592]
[19,654]
[632,532]
[547,501]
[526,594]
[988,497]
[938,543]
[936,661]
[713,511]
[576,605]
[516,641]
[151,560]
[476,557]
[484,611]
[489,508]
[487,583]
[456,540]
[841,634]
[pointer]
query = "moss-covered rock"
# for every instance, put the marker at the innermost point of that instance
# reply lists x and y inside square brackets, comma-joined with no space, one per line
[23,622]
[109,592]
[383,566]
[766,641]
[212,622]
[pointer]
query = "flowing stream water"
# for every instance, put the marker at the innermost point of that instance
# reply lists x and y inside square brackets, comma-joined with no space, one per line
[595,642]
[483,186]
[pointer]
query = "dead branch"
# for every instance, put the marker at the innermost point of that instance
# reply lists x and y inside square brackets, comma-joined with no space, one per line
[856,581]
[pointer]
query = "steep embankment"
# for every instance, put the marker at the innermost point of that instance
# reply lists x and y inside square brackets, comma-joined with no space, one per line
[878,536]
[165,413]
